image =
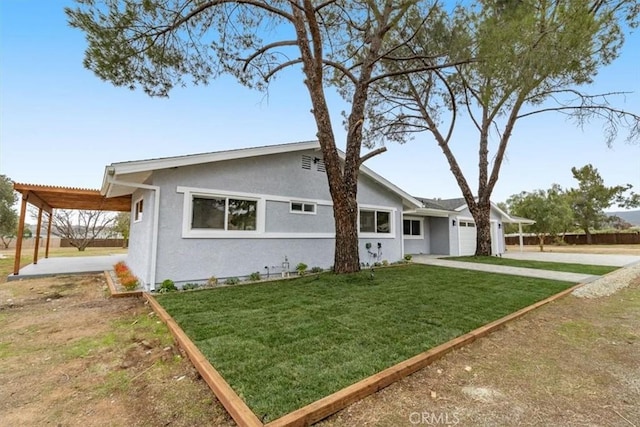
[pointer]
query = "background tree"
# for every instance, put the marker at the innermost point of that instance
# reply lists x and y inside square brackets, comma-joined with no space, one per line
[529,57]
[155,45]
[81,227]
[122,225]
[8,215]
[592,197]
[550,209]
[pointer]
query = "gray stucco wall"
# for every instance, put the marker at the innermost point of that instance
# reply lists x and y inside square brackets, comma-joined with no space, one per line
[423,245]
[194,259]
[440,236]
[139,253]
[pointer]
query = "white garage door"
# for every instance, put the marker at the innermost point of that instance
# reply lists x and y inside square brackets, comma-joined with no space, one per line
[467,232]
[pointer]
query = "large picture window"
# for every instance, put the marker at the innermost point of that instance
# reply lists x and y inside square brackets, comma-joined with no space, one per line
[224,213]
[372,221]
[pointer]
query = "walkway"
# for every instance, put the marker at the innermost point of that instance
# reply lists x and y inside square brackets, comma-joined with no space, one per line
[68,265]
[590,259]
[502,269]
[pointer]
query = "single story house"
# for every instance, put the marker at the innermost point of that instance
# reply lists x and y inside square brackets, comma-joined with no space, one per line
[266,209]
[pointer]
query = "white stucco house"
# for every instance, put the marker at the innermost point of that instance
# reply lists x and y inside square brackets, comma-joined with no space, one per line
[232,213]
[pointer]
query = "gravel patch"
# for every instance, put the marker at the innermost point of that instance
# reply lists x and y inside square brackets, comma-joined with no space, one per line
[610,283]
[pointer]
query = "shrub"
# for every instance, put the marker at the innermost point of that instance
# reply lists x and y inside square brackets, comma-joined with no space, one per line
[125,277]
[129,281]
[212,281]
[254,277]
[232,281]
[407,257]
[316,270]
[168,286]
[189,286]
[385,262]
[301,268]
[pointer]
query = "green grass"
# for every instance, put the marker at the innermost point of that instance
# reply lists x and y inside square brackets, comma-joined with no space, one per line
[596,270]
[282,345]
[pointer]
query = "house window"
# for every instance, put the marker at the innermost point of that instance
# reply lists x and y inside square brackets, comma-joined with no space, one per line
[304,208]
[467,224]
[137,210]
[223,213]
[375,221]
[412,227]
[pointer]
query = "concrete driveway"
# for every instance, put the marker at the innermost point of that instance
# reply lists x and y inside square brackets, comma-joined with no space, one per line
[503,269]
[591,259]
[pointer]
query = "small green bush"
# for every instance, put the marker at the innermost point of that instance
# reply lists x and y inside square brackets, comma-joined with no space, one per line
[316,270]
[232,281]
[408,257]
[301,268]
[189,286]
[168,285]
[255,276]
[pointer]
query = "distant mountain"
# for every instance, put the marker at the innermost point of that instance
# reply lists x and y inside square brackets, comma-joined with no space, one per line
[632,217]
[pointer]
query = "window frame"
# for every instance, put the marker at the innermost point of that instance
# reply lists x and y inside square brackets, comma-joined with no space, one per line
[138,209]
[187,216]
[413,236]
[302,207]
[391,234]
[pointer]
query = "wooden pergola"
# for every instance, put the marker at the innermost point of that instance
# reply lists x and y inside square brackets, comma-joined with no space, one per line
[47,198]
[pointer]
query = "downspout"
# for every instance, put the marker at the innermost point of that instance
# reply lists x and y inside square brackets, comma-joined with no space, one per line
[155,226]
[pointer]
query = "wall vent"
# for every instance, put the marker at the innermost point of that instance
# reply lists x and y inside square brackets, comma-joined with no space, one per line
[306,162]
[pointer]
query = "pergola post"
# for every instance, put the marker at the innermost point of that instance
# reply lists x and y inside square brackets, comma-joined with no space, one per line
[36,245]
[16,262]
[520,236]
[46,251]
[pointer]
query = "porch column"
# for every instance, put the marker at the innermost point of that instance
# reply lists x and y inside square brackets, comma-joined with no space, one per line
[46,251]
[520,235]
[37,242]
[16,262]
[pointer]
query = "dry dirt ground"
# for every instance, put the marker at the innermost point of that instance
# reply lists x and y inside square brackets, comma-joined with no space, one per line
[70,356]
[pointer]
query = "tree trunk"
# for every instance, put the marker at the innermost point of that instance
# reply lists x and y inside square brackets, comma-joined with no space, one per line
[346,258]
[483,230]
[588,234]
[541,242]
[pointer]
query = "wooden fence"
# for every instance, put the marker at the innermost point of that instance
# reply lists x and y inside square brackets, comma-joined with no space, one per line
[581,239]
[97,243]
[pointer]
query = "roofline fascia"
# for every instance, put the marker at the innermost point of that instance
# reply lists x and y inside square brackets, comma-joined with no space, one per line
[178,161]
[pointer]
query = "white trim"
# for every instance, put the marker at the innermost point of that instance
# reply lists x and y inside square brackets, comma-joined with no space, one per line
[375,235]
[303,204]
[413,236]
[266,197]
[137,218]
[201,233]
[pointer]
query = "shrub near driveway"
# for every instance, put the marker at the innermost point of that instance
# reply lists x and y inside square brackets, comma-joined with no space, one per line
[282,345]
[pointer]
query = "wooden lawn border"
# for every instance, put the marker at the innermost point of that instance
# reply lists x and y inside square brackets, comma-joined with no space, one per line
[333,403]
[236,407]
[115,293]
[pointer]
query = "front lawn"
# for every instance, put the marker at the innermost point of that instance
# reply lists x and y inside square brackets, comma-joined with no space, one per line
[282,345]
[596,270]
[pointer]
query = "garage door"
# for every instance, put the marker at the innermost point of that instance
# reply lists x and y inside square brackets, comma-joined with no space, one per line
[467,232]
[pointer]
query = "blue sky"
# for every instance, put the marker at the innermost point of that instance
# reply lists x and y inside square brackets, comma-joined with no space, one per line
[60,124]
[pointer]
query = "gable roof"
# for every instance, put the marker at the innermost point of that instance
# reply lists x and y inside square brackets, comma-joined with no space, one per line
[139,171]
